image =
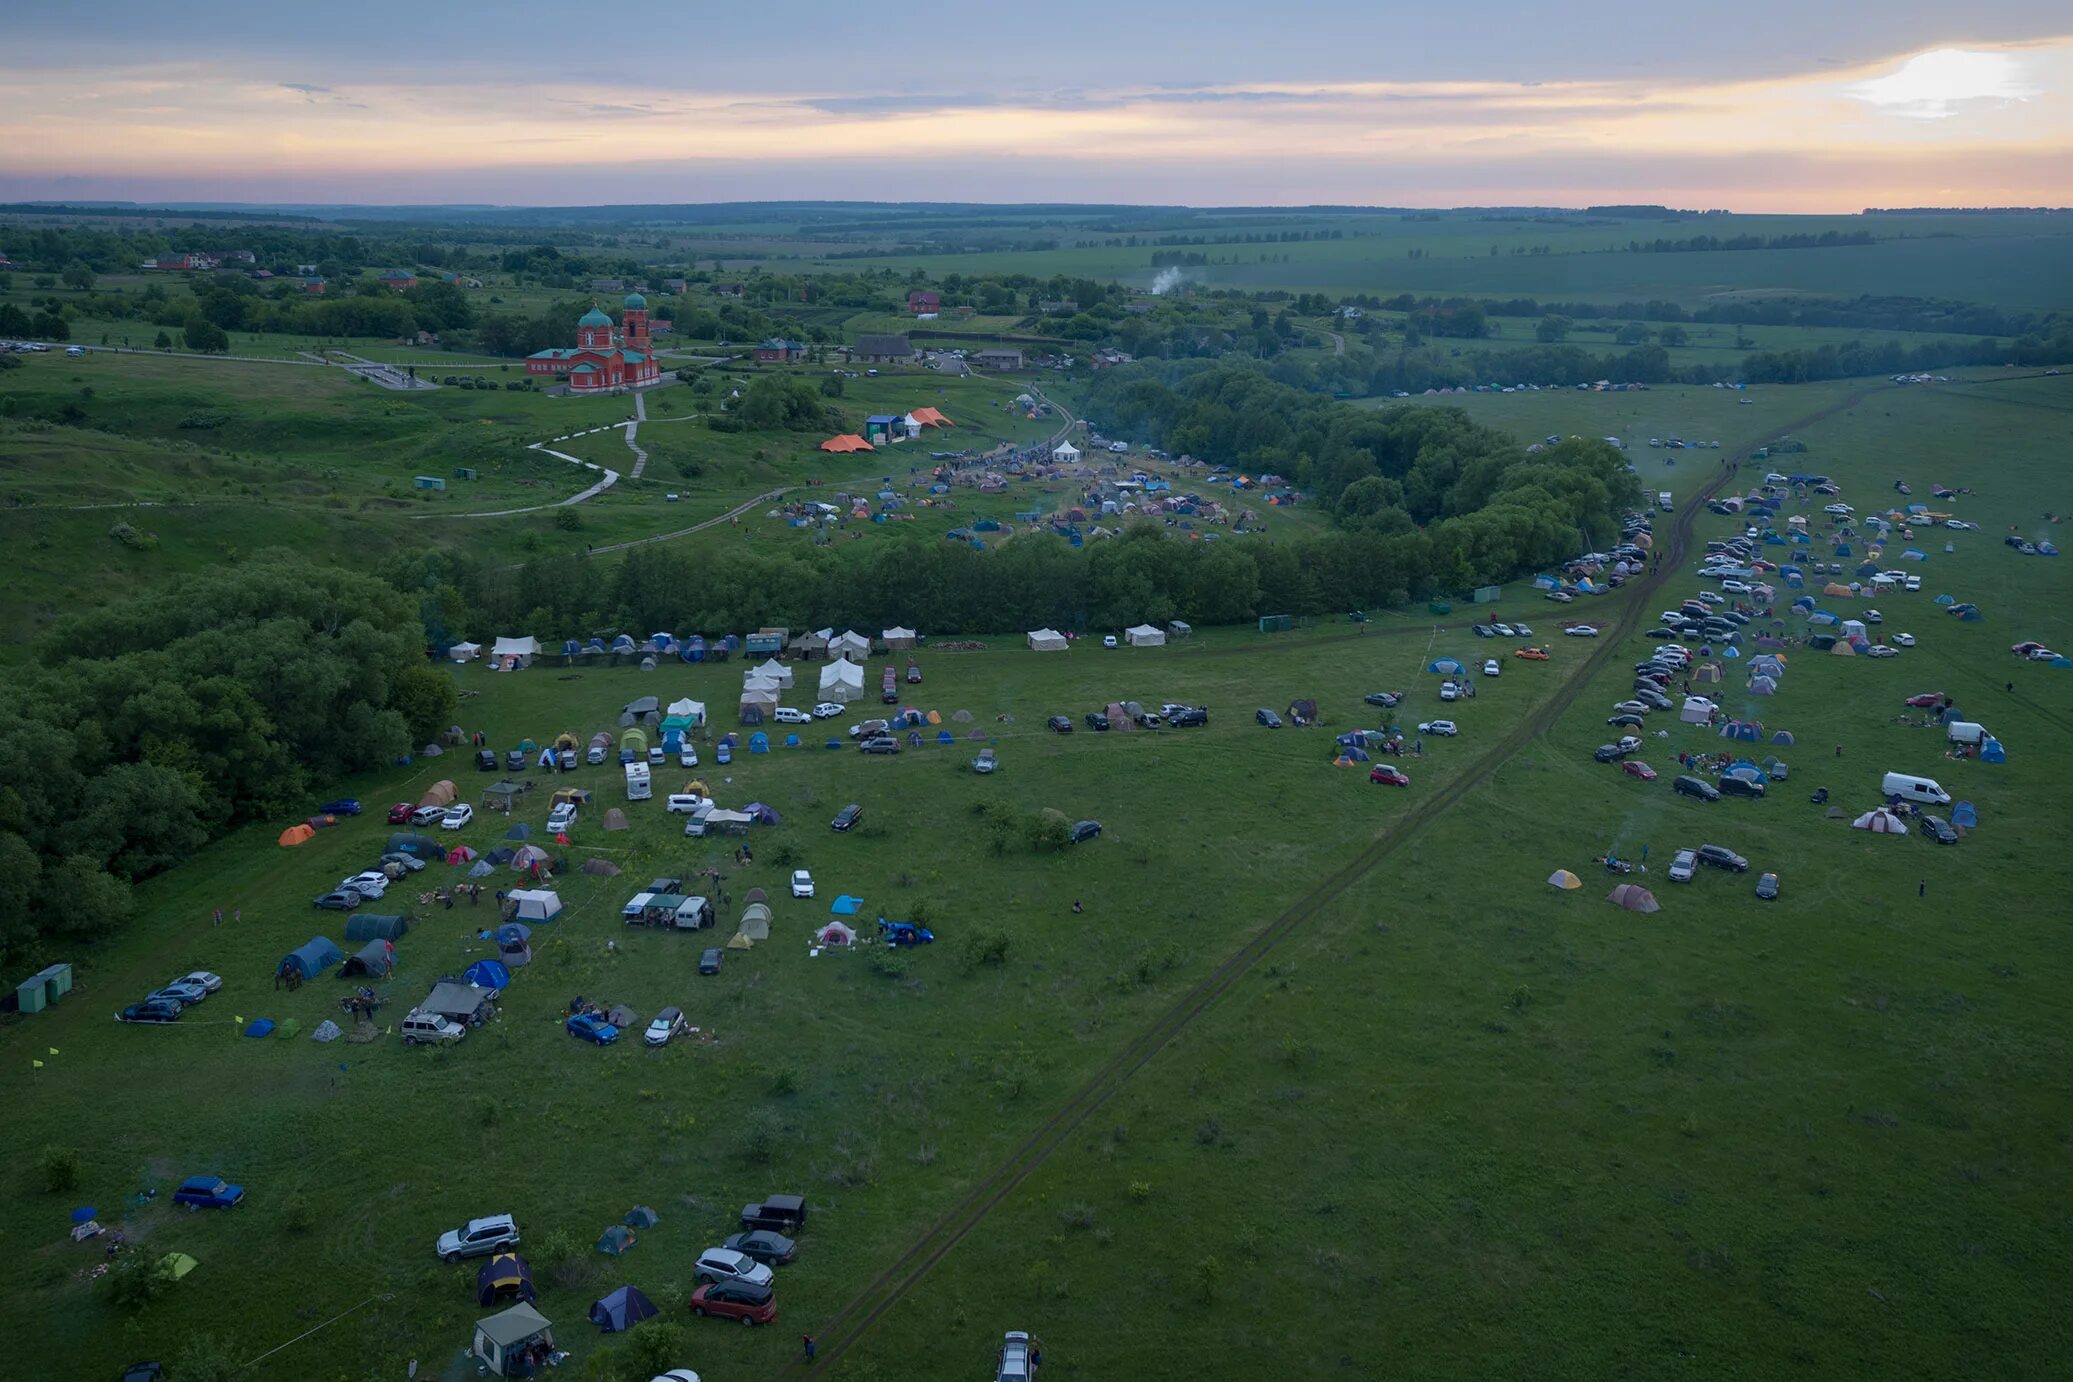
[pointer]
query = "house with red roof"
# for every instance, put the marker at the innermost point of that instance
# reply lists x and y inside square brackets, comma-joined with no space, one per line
[922,302]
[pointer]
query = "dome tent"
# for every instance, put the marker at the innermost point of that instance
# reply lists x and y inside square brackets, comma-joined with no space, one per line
[1633,897]
[1880,821]
[1564,880]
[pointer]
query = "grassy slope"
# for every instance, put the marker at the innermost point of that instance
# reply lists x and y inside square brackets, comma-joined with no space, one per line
[1481,1128]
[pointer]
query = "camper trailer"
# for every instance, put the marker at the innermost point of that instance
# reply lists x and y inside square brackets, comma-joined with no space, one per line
[1908,787]
[637,786]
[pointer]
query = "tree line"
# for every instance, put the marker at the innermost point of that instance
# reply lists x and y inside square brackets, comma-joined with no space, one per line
[148,727]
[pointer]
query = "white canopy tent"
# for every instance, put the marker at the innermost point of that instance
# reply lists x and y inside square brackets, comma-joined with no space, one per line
[1065,453]
[1145,636]
[534,904]
[842,681]
[897,637]
[464,652]
[1046,641]
[516,652]
[776,671]
[850,644]
[693,710]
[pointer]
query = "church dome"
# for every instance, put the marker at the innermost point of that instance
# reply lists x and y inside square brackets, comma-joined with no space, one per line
[636,303]
[593,318]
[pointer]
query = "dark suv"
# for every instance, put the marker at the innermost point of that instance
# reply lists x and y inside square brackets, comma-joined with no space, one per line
[1721,857]
[1741,787]
[1188,716]
[1095,721]
[1940,830]
[780,1213]
[847,817]
[1696,787]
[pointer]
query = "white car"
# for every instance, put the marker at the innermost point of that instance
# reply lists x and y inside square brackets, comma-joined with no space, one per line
[2042,655]
[667,1024]
[209,982]
[1914,582]
[1560,597]
[802,883]
[1491,667]
[1904,640]
[786,715]
[561,818]
[725,1264]
[457,816]
[1712,597]
[369,884]
[1581,631]
[1108,640]
[1872,616]
[1449,691]
[826,710]
[689,757]
[1521,631]
[1683,866]
[1446,729]
[1735,587]
[1505,631]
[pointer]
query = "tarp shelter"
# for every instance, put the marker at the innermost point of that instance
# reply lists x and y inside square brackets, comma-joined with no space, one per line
[1880,821]
[837,933]
[1565,880]
[374,959]
[1633,897]
[1446,667]
[615,819]
[464,652]
[841,681]
[311,958]
[504,1342]
[489,974]
[365,926]
[504,1275]
[1046,641]
[1145,636]
[622,1310]
[295,835]
[755,921]
[614,1241]
[534,904]
[457,1002]
[440,793]
[600,868]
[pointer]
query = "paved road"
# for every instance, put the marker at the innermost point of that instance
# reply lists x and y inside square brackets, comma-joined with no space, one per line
[841,1331]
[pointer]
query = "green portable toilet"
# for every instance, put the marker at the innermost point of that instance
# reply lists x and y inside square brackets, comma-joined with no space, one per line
[58,978]
[29,994]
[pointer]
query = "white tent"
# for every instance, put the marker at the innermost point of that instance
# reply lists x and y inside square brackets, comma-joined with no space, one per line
[688,707]
[759,698]
[1696,710]
[535,904]
[1880,821]
[897,637]
[842,681]
[1145,636]
[1065,453]
[776,671]
[850,644]
[1046,641]
[755,680]
[517,651]
[464,652]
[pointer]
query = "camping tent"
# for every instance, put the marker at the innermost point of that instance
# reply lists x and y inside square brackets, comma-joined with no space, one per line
[534,904]
[1065,453]
[515,652]
[687,709]
[503,1340]
[762,813]
[615,819]
[489,974]
[755,921]
[1565,880]
[614,1241]
[464,652]
[1697,710]
[376,959]
[622,1310]
[1880,821]
[1046,641]
[1446,667]
[177,1265]
[601,868]
[311,958]
[440,793]
[759,742]
[1991,751]
[365,926]
[1633,897]
[842,681]
[295,835]
[896,638]
[846,905]
[505,1274]
[1145,636]
[460,854]
[513,933]
[1964,815]
[640,1216]
[773,671]
[837,933]
[526,857]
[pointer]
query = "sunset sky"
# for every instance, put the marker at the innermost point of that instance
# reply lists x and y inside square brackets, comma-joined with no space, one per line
[1770,106]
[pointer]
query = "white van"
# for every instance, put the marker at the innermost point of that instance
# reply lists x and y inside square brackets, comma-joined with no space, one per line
[1908,787]
[422,1029]
[1965,732]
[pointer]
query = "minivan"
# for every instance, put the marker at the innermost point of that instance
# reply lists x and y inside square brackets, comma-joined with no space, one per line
[1917,789]
[1696,787]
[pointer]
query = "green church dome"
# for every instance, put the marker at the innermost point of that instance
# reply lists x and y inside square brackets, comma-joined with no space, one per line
[636,303]
[593,318]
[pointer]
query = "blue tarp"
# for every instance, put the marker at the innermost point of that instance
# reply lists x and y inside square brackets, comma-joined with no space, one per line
[259,1027]
[488,974]
[311,958]
[622,1310]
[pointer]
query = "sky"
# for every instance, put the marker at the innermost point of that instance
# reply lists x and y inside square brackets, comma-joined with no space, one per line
[1773,105]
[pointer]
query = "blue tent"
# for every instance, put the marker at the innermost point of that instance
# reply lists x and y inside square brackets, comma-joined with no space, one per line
[1971,616]
[423,846]
[943,736]
[1747,730]
[488,974]
[834,743]
[759,742]
[1446,667]
[571,648]
[623,644]
[1946,600]
[1964,815]
[1730,651]
[311,958]
[1351,754]
[514,933]
[1783,736]
[1742,767]
[622,1310]
[847,906]
[594,647]
[1990,751]
[259,1027]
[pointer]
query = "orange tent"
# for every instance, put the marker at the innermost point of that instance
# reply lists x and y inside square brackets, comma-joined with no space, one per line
[929,417]
[295,835]
[848,441]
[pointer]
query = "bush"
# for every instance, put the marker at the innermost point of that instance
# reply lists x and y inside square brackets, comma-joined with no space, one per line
[981,948]
[1080,1215]
[889,963]
[135,1279]
[760,1137]
[205,1358]
[653,1347]
[133,539]
[567,519]
[60,1169]
[296,1216]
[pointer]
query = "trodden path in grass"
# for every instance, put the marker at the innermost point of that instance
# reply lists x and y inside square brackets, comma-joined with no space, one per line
[853,1321]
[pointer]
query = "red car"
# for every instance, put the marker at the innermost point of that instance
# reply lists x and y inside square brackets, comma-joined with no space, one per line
[1927,698]
[1389,775]
[1634,767]
[399,814]
[736,1300]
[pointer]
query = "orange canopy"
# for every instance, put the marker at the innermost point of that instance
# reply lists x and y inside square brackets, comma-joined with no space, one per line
[929,417]
[848,441]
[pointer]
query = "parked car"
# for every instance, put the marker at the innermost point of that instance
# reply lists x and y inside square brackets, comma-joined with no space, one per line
[515,760]
[208,1192]
[666,1024]
[428,815]
[1483,631]
[1267,718]
[344,806]
[769,1248]
[1904,640]
[1531,654]
[401,812]
[150,1013]
[1389,775]
[561,818]
[802,883]
[341,901]
[457,816]
[1732,786]
[1767,887]
[1721,857]
[1188,716]
[880,743]
[781,1213]
[1083,831]
[1696,787]
[478,1237]
[1581,631]
[1492,667]
[986,762]
[185,994]
[593,1028]
[790,715]
[485,760]
[1684,865]
[687,756]
[207,982]
[1018,1355]
[371,884]
[1940,830]
[1388,700]
[1634,767]
[1625,721]
[709,961]
[748,1302]
[1606,753]
[1446,729]
[725,1264]
[1630,707]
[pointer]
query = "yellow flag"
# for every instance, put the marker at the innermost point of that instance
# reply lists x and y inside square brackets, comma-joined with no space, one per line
[241,1022]
[54,1051]
[37,1063]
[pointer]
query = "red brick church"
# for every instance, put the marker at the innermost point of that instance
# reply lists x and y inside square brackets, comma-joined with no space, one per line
[605,357]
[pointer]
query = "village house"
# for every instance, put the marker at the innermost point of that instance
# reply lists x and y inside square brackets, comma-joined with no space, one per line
[399,280]
[674,285]
[776,351]
[312,287]
[883,350]
[607,285]
[924,303]
[726,290]
[998,358]
[604,358]
[1057,306]
[174,263]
